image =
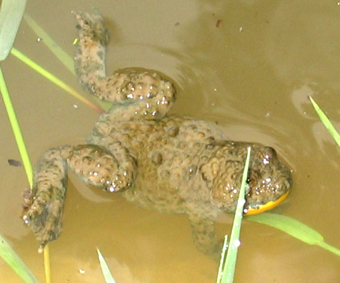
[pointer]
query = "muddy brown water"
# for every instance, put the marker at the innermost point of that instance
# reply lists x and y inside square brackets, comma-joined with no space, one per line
[247,65]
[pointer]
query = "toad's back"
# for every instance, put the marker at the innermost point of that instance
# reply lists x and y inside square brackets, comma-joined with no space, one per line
[168,156]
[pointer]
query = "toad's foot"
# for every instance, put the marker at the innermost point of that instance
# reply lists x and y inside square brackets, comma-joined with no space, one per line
[96,166]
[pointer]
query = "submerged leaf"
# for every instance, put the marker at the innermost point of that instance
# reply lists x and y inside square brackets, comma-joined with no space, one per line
[51,44]
[105,269]
[54,79]
[294,228]
[13,260]
[23,152]
[59,53]
[16,129]
[288,225]
[10,18]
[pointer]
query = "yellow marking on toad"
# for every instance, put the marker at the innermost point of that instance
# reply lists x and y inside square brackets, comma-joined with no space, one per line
[267,206]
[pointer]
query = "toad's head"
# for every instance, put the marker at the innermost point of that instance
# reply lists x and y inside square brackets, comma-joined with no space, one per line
[268,181]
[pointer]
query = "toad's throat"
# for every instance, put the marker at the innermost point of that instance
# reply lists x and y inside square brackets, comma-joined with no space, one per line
[267,206]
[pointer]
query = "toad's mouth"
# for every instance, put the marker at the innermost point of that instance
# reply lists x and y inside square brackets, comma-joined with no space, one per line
[265,207]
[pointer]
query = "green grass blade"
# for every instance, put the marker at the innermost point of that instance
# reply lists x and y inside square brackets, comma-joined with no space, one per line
[58,52]
[288,225]
[294,228]
[231,257]
[105,269]
[327,123]
[16,129]
[14,261]
[54,79]
[23,153]
[51,44]
[329,248]
[223,258]
[10,18]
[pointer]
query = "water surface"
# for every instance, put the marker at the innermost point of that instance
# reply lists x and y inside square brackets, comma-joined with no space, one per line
[247,65]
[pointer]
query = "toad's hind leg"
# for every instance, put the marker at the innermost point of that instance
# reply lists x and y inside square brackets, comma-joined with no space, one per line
[44,208]
[144,93]
[112,171]
[204,235]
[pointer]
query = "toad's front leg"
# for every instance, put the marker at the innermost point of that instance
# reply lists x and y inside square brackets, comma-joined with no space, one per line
[112,171]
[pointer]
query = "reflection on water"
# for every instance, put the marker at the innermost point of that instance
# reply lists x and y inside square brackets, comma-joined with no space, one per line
[251,74]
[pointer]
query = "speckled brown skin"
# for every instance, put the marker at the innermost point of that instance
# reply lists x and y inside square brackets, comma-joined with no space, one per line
[169,163]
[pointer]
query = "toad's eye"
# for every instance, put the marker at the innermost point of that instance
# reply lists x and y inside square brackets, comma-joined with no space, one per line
[251,180]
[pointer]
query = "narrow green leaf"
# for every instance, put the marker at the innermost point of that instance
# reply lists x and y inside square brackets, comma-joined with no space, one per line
[16,129]
[51,44]
[14,261]
[59,53]
[10,16]
[327,123]
[329,248]
[23,153]
[294,228]
[231,257]
[54,79]
[105,269]
[222,259]
[288,225]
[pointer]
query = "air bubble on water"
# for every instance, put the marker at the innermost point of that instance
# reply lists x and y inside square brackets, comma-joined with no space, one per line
[112,189]
[26,219]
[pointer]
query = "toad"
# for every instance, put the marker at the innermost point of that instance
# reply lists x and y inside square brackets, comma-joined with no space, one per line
[165,162]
